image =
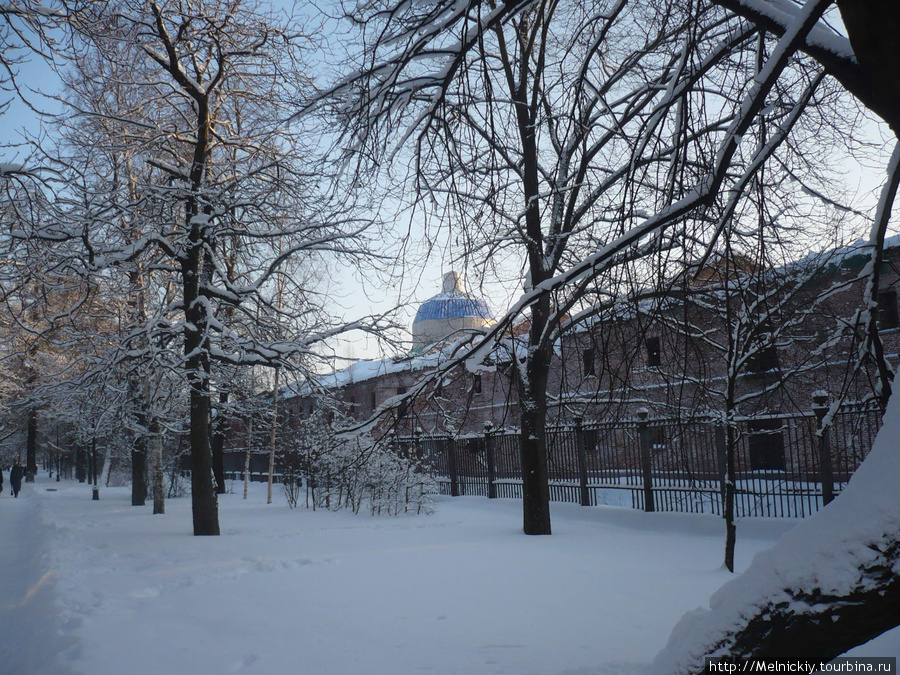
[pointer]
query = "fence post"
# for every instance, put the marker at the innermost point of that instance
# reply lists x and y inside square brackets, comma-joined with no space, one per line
[489,452]
[646,467]
[450,445]
[826,472]
[582,462]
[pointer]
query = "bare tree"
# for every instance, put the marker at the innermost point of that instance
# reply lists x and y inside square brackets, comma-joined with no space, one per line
[548,132]
[713,90]
[187,183]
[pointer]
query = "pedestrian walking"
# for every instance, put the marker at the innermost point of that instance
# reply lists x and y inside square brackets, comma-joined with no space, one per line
[15,477]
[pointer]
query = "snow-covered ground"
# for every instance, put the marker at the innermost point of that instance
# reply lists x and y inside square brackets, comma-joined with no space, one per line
[281,591]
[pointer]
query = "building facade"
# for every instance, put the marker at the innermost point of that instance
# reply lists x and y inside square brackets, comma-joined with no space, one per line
[755,344]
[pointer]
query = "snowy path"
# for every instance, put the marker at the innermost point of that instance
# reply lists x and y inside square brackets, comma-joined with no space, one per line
[30,642]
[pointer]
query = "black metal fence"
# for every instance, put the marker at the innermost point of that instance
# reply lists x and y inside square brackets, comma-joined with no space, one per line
[785,465]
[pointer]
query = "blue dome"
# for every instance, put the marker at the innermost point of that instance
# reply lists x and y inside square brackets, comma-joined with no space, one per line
[452,306]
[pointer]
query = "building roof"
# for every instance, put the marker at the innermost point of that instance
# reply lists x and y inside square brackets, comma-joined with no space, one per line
[453,303]
[362,371]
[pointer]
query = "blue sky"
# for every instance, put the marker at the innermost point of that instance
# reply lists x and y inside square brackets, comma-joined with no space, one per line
[353,299]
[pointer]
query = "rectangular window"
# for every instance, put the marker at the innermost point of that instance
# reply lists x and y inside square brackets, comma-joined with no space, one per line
[654,353]
[763,359]
[888,316]
[404,405]
[766,445]
[374,401]
[587,360]
[476,385]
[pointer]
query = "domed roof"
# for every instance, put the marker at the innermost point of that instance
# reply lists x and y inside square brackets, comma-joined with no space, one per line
[448,313]
[452,306]
[453,303]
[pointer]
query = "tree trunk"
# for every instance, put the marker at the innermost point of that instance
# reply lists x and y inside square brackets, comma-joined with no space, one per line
[205,507]
[81,464]
[832,626]
[92,463]
[31,447]
[247,457]
[810,626]
[535,484]
[872,26]
[728,511]
[533,442]
[159,497]
[196,275]
[218,446]
[533,396]
[107,468]
[274,437]
[139,472]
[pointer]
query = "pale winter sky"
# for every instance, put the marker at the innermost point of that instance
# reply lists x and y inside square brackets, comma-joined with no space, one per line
[353,297]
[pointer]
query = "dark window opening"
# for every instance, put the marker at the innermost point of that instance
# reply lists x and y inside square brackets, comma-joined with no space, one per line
[404,404]
[888,316]
[766,445]
[373,400]
[763,359]
[591,440]
[587,360]
[476,385]
[654,352]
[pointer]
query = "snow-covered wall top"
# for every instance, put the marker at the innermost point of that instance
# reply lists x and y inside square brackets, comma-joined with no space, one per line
[362,371]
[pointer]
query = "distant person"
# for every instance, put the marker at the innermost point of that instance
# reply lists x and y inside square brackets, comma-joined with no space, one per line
[15,477]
